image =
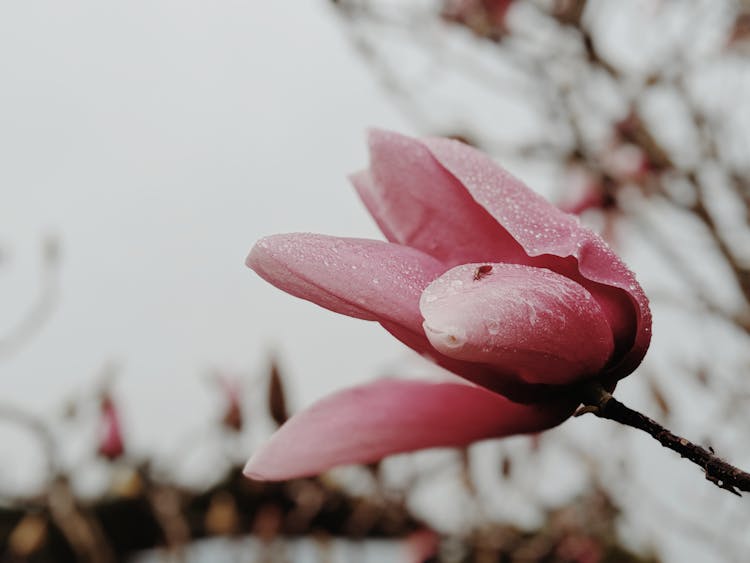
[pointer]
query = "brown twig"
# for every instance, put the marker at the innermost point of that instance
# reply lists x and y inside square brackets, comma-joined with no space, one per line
[82,530]
[598,401]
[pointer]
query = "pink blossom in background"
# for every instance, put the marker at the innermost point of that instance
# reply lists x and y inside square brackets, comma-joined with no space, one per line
[111,444]
[587,192]
[626,162]
[486,18]
[422,545]
[480,274]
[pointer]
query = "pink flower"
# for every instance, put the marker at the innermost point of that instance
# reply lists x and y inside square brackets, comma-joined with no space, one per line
[486,18]
[422,546]
[482,275]
[111,445]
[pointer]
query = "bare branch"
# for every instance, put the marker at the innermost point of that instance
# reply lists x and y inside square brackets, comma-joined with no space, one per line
[598,401]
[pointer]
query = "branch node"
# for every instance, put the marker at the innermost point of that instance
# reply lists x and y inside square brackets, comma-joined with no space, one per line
[583,409]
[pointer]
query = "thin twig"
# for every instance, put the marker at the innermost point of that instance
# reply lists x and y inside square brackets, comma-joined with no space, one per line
[41,310]
[598,401]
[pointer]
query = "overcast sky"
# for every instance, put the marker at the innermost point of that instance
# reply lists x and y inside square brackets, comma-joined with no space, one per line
[158,141]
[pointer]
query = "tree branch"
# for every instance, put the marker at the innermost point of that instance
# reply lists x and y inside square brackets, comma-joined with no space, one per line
[598,401]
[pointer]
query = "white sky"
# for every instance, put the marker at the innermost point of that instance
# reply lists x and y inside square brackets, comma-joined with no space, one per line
[159,140]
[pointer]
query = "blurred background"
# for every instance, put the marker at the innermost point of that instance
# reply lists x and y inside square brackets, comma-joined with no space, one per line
[145,146]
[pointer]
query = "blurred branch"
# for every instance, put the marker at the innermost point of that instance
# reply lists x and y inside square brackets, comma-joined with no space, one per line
[669,252]
[83,532]
[42,307]
[39,430]
[277,403]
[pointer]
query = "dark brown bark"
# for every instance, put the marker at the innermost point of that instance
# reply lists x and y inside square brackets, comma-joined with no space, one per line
[598,401]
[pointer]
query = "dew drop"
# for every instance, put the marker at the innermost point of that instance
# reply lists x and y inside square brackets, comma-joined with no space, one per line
[493,327]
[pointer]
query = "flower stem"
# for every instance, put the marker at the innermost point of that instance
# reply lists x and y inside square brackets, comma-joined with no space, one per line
[598,401]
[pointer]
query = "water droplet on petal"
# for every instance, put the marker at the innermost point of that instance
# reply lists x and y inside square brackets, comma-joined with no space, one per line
[493,327]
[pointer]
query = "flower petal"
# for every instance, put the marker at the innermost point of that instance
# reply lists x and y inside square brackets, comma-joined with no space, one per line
[368,192]
[366,423]
[530,324]
[551,237]
[366,279]
[482,374]
[361,278]
[417,203]
[453,202]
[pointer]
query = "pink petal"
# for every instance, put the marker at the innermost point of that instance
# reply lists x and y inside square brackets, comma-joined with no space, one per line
[422,546]
[368,422]
[417,203]
[370,280]
[361,278]
[369,194]
[455,203]
[530,324]
[111,443]
[481,374]
[553,236]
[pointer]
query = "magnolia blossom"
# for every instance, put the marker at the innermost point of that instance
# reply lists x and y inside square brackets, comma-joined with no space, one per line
[111,444]
[486,18]
[480,274]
